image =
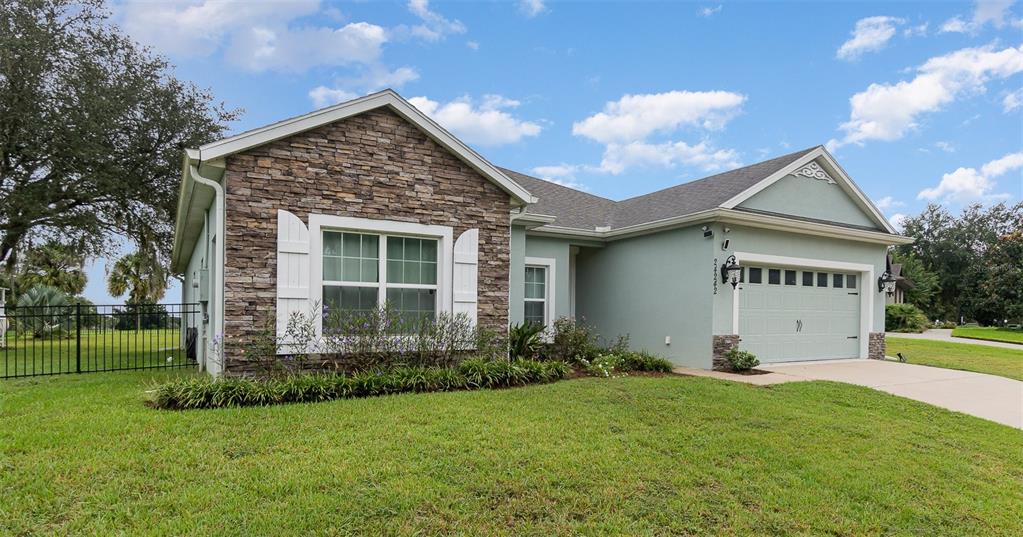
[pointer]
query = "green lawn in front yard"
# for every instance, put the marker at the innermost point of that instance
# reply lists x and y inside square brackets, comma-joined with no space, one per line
[636,456]
[101,350]
[1006,335]
[954,355]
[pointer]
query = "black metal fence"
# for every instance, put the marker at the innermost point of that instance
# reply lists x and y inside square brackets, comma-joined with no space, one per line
[53,340]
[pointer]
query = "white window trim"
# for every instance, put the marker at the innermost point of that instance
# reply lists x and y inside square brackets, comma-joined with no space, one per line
[549,289]
[318,223]
[863,270]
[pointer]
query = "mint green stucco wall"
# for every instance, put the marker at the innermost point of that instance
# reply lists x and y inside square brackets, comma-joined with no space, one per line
[762,241]
[809,198]
[523,246]
[650,287]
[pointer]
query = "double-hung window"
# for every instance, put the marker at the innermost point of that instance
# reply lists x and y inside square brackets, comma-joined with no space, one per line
[535,309]
[363,272]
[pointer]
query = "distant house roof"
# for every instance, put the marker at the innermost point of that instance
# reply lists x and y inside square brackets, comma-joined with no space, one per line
[901,281]
[580,210]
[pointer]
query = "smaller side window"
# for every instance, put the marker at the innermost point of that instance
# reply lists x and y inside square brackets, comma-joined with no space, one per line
[790,277]
[850,281]
[822,279]
[807,279]
[755,275]
[838,279]
[774,276]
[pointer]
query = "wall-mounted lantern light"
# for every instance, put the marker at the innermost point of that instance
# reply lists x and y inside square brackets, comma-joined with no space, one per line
[886,283]
[730,271]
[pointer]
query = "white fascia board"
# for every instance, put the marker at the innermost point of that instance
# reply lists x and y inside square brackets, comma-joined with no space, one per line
[845,183]
[388,98]
[809,228]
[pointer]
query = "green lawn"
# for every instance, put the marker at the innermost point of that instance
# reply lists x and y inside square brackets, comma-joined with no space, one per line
[965,356]
[101,350]
[637,456]
[991,334]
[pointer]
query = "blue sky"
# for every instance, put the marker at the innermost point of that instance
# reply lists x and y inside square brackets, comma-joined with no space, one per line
[919,101]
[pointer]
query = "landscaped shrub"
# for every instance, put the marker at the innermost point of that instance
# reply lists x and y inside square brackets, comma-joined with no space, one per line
[904,318]
[193,393]
[572,342]
[367,340]
[524,340]
[644,361]
[741,360]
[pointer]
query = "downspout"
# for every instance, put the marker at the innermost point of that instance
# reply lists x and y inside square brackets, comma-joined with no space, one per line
[219,254]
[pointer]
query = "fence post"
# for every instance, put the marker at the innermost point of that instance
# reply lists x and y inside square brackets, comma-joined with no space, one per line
[78,338]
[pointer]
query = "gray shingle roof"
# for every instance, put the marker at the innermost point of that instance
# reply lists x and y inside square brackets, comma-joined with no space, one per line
[579,210]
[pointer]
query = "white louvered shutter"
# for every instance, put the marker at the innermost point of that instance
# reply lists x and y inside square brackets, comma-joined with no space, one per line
[292,268]
[465,274]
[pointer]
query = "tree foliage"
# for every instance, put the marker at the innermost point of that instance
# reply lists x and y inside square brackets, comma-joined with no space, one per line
[91,130]
[53,264]
[975,258]
[139,276]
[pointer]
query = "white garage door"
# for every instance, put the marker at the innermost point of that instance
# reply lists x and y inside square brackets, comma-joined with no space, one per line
[788,314]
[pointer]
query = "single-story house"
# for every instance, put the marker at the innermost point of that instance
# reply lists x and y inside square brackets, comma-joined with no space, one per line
[371,202]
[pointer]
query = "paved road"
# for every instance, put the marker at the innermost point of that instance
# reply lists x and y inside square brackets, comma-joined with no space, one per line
[990,397]
[946,335]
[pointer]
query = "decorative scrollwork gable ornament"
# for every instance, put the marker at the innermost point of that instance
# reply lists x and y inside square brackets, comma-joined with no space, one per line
[814,171]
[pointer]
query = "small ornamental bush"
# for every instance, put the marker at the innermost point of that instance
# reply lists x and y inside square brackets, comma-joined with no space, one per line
[904,318]
[618,365]
[524,340]
[472,374]
[572,342]
[741,360]
[644,361]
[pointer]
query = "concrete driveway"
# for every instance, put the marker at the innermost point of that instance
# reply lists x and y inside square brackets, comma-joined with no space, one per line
[990,397]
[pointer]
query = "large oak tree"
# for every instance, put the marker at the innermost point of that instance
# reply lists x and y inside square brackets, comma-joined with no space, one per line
[92,127]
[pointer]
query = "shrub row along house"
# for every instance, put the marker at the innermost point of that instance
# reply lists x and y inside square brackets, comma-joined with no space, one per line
[370,202]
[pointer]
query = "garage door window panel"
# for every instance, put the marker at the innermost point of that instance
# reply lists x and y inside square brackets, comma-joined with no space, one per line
[807,279]
[755,275]
[774,276]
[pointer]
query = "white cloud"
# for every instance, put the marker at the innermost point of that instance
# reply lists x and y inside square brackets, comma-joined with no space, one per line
[888,202]
[966,185]
[619,157]
[1012,101]
[995,12]
[263,48]
[634,117]
[913,31]
[532,8]
[257,36]
[888,111]
[870,35]
[374,78]
[896,220]
[434,27]
[473,45]
[487,124]
[947,147]
[561,174]
[710,11]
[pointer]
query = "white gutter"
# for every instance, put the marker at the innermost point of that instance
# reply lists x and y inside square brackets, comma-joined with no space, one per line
[219,254]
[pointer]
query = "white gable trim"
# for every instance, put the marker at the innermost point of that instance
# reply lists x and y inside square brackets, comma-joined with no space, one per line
[842,179]
[388,98]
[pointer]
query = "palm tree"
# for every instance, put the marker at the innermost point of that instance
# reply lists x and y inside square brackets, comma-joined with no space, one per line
[139,276]
[55,265]
[44,308]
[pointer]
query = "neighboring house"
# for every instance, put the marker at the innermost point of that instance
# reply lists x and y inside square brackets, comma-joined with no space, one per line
[902,284]
[371,202]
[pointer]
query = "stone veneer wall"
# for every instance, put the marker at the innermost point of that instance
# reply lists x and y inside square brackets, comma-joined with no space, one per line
[876,346]
[374,165]
[721,346]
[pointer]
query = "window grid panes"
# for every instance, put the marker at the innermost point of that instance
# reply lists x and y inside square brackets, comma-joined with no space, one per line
[755,275]
[774,276]
[822,279]
[807,279]
[535,308]
[351,273]
[838,281]
[351,257]
[850,281]
[790,277]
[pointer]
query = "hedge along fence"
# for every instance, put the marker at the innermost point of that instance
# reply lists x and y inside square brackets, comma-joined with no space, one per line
[474,374]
